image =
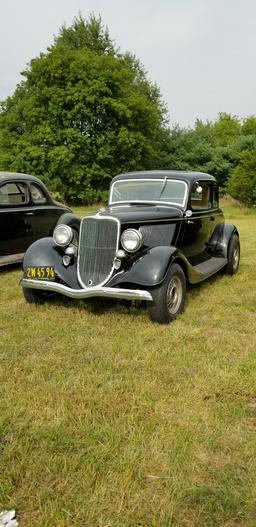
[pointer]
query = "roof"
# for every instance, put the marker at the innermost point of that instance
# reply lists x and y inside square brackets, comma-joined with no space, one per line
[17,175]
[190,177]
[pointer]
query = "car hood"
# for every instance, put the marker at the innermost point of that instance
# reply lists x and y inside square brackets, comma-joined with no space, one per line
[141,213]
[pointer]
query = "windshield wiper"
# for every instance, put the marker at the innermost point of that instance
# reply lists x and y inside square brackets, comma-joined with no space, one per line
[163,188]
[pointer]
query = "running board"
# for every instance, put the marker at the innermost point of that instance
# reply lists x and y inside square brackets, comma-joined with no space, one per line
[210,267]
[11,259]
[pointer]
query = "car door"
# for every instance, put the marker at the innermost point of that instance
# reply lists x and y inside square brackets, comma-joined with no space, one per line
[198,227]
[16,228]
[216,214]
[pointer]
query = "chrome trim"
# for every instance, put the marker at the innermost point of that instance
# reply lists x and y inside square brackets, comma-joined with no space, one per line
[11,259]
[69,230]
[96,217]
[171,219]
[121,253]
[115,205]
[71,250]
[140,240]
[108,292]
[149,201]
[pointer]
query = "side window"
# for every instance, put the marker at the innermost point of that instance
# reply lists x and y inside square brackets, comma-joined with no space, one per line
[13,193]
[201,196]
[38,196]
[215,196]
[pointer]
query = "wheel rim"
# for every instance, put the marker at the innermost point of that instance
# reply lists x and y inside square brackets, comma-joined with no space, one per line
[174,295]
[236,257]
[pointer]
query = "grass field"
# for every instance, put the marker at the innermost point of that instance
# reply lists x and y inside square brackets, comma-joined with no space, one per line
[109,420]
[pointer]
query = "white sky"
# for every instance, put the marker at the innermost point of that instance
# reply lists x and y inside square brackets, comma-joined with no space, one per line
[201,53]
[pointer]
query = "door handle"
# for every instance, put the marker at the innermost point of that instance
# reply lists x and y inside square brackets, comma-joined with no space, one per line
[29,213]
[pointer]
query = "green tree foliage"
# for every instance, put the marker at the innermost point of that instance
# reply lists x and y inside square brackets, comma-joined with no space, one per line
[86,35]
[226,129]
[216,148]
[83,114]
[249,126]
[197,149]
[242,183]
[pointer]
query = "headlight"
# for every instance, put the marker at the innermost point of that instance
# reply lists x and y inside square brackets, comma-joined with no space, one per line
[63,235]
[131,240]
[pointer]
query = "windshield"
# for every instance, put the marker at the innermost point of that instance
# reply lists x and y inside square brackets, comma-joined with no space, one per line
[149,190]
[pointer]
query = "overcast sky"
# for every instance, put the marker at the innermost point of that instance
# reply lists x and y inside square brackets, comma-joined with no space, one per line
[201,53]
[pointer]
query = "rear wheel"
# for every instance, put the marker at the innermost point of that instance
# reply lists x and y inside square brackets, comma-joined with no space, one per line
[33,296]
[169,297]
[233,255]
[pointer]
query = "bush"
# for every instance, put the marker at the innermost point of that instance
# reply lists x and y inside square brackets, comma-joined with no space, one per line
[242,183]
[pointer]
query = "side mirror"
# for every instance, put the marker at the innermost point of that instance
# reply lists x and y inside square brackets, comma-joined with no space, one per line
[198,188]
[188,213]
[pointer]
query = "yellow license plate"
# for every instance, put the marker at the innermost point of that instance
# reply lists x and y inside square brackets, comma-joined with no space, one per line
[40,273]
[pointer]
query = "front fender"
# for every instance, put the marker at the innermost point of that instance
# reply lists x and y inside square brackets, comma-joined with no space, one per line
[149,269]
[44,253]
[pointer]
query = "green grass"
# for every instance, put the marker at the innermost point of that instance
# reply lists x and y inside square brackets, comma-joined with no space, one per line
[109,420]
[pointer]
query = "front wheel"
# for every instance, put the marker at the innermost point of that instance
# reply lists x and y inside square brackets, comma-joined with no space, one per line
[169,298]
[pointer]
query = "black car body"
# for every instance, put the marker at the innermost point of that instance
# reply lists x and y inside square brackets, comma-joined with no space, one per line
[160,230]
[27,212]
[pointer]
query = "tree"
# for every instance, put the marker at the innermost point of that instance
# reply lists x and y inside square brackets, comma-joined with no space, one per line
[249,126]
[86,35]
[242,183]
[226,129]
[84,113]
[215,148]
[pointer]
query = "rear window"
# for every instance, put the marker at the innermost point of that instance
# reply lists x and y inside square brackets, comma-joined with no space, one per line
[38,196]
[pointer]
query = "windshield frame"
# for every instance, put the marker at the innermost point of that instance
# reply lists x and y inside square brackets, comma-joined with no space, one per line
[154,202]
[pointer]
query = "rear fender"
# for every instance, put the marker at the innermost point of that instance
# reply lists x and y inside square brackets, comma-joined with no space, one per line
[223,243]
[44,253]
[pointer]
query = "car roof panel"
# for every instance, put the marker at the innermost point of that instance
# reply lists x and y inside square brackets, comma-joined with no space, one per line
[187,176]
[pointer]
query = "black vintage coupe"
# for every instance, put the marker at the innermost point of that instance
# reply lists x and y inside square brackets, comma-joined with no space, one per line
[160,231]
[27,212]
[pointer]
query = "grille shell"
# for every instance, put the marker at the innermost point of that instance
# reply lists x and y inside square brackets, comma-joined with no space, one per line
[98,243]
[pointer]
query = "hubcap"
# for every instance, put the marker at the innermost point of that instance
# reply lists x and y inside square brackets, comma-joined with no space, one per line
[174,295]
[236,257]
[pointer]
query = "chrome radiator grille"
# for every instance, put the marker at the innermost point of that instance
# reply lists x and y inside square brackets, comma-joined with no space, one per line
[97,248]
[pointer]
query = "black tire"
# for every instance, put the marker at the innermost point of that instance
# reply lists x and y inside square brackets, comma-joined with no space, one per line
[169,297]
[233,255]
[33,296]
